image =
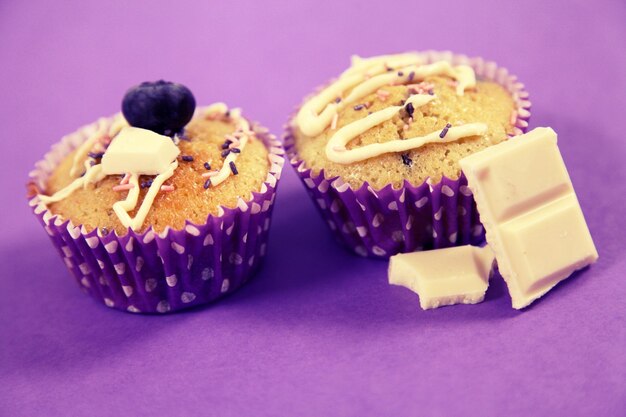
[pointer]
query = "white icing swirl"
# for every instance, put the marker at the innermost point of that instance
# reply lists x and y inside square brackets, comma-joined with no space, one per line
[366,76]
[336,148]
[92,175]
[121,208]
[103,133]
[242,134]
[125,157]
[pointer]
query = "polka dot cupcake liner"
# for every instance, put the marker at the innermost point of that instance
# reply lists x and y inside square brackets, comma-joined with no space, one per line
[163,272]
[380,223]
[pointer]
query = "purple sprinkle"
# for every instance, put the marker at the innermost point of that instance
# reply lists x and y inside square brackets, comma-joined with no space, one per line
[359,106]
[95,155]
[207,183]
[400,73]
[233,168]
[207,166]
[431,92]
[411,75]
[409,109]
[406,160]
[146,184]
[187,158]
[445,131]
[226,144]
[235,150]
[225,153]
[104,231]
[338,100]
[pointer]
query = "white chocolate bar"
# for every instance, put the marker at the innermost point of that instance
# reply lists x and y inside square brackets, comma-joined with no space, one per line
[532,217]
[443,277]
[139,151]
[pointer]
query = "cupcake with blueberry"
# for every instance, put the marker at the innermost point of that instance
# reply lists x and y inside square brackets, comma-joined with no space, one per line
[163,206]
[378,147]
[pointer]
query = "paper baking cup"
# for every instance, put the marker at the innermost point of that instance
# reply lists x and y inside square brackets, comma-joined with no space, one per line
[163,272]
[383,222]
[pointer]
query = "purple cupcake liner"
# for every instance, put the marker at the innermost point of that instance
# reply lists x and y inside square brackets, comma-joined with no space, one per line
[163,272]
[381,223]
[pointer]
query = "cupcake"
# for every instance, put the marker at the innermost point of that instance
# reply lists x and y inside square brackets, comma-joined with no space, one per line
[163,206]
[378,148]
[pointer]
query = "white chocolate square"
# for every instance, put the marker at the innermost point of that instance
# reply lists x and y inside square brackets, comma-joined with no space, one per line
[512,190]
[441,277]
[532,217]
[139,151]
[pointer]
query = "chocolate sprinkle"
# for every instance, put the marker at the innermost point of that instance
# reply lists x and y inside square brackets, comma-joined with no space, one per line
[409,109]
[406,160]
[95,155]
[359,107]
[104,231]
[225,153]
[233,168]
[187,158]
[226,144]
[207,166]
[445,131]
[411,75]
[235,150]
[400,73]
[338,100]
[207,183]
[146,184]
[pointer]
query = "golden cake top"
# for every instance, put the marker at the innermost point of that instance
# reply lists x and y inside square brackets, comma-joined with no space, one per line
[156,161]
[396,117]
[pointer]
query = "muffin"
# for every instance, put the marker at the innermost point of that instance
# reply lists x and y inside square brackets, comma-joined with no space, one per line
[378,148]
[163,207]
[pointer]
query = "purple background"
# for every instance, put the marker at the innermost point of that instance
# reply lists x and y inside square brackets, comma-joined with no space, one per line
[319,332]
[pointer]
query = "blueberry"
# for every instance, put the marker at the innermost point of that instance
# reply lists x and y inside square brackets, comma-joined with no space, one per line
[160,106]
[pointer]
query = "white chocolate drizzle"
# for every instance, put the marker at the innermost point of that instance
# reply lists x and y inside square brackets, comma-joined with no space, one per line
[242,134]
[103,135]
[365,77]
[94,173]
[125,154]
[336,148]
[121,208]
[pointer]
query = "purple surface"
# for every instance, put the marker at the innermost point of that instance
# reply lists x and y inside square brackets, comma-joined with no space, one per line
[318,331]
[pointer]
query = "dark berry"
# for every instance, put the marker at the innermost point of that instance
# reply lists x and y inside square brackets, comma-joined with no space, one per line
[160,106]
